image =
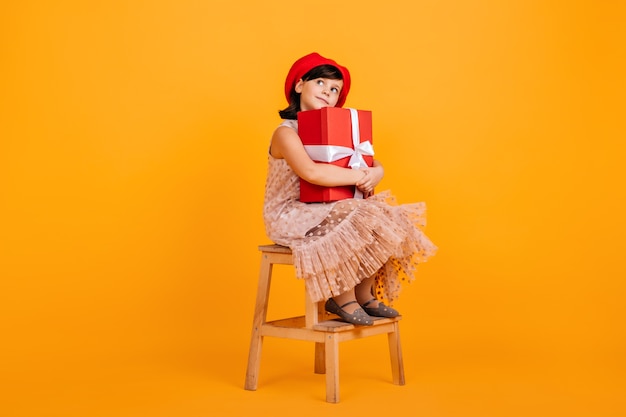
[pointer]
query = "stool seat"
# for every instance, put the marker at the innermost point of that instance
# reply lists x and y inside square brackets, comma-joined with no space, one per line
[326,331]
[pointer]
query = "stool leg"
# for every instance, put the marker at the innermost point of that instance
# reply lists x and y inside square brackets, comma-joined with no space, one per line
[320,359]
[332,367]
[260,316]
[320,356]
[395,352]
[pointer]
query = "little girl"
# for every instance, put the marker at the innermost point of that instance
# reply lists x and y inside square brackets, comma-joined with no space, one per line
[354,253]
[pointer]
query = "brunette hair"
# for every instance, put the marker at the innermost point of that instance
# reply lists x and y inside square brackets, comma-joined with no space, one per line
[322,71]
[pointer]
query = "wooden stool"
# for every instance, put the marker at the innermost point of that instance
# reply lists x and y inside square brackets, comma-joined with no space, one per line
[325,333]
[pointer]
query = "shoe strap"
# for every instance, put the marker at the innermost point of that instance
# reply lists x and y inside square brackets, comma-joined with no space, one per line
[347,304]
[368,303]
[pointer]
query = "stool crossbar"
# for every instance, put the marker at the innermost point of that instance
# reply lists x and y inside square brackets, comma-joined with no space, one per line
[325,333]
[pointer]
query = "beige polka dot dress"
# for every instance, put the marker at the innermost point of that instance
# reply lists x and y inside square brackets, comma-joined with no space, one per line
[337,245]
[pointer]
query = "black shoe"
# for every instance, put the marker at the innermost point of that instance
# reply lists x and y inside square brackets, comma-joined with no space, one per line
[380,311]
[357,317]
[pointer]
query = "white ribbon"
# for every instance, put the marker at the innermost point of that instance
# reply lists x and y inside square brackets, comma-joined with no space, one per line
[332,153]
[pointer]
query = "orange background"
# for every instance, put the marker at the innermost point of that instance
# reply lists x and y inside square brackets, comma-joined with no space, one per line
[133,139]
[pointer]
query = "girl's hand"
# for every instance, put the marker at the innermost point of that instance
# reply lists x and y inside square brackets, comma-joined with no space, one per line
[371,177]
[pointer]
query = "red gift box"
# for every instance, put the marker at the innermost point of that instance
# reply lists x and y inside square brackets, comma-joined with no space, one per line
[337,136]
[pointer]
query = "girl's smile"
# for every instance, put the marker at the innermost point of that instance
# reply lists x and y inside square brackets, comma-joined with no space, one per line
[323,99]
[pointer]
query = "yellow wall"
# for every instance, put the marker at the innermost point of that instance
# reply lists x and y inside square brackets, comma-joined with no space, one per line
[132,163]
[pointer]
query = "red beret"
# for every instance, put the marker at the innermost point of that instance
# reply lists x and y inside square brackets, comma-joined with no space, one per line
[306,64]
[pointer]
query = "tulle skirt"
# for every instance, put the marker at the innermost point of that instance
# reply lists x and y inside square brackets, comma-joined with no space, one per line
[363,238]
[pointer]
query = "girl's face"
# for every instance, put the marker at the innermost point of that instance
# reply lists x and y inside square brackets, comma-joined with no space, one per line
[318,93]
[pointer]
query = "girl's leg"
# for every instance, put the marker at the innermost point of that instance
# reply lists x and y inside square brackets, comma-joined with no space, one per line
[363,292]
